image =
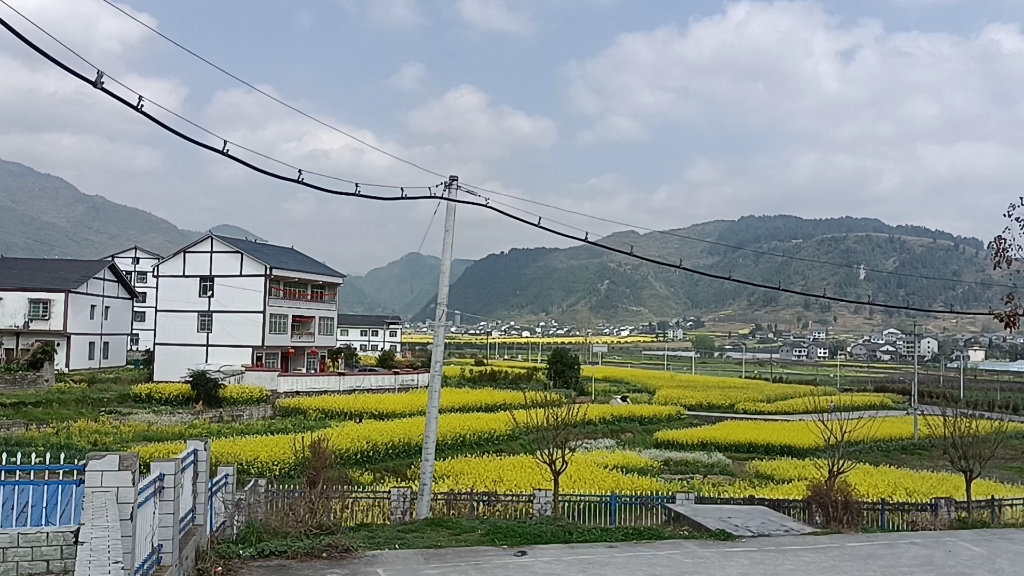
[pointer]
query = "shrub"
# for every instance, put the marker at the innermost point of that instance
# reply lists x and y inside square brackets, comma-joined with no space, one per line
[835,506]
[174,394]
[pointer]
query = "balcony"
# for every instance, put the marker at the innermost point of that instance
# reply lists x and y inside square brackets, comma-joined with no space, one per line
[303,336]
[314,300]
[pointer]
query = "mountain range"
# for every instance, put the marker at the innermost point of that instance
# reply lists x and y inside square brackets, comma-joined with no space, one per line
[862,258]
[44,216]
[819,255]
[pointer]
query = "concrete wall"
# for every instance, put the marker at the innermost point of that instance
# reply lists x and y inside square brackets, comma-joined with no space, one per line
[38,551]
[298,383]
[42,380]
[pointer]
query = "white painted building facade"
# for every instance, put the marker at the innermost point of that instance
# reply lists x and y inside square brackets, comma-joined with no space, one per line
[370,334]
[83,307]
[138,265]
[228,301]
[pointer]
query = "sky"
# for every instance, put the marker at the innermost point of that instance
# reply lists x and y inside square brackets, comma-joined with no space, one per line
[661,114]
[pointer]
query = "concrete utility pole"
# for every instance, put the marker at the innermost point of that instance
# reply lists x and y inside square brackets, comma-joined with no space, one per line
[915,407]
[665,368]
[437,357]
[743,361]
[962,362]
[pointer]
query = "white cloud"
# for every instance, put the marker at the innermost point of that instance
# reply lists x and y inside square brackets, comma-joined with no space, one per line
[494,16]
[465,114]
[410,77]
[395,13]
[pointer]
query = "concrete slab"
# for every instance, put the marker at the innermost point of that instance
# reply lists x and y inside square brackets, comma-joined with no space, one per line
[742,521]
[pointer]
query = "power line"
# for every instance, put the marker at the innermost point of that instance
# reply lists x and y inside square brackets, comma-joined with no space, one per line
[497,193]
[741,248]
[429,224]
[271,96]
[98,84]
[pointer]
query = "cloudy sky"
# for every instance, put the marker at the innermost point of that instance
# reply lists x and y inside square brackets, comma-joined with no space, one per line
[660,113]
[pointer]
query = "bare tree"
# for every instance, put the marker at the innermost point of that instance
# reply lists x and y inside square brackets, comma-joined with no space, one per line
[551,433]
[969,442]
[838,431]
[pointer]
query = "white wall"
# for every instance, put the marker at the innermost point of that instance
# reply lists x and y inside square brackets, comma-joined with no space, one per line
[171,363]
[14,311]
[146,262]
[383,340]
[25,341]
[335,383]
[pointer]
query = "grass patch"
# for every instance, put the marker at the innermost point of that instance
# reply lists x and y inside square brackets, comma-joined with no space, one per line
[253,542]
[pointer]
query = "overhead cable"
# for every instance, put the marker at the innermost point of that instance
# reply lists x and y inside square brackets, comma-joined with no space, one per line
[486,204]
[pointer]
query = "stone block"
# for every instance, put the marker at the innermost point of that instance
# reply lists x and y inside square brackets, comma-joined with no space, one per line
[46,553]
[26,539]
[32,568]
[126,495]
[93,479]
[18,555]
[119,479]
[68,552]
[103,462]
[8,569]
[60,538]
[61,566]
[8,540]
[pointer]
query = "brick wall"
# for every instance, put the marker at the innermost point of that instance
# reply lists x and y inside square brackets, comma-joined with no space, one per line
[25,381]
[38,551]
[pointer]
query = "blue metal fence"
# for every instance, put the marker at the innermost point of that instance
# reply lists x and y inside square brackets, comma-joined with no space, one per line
[218,506]
[146,523]
[189,484]
[37,492]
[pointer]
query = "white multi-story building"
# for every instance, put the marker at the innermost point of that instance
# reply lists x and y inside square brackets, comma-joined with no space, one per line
[370,334]
[137,265]
[228,301]
[82,307]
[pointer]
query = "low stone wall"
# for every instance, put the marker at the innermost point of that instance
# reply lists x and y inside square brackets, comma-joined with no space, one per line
[38,551]
[27,381]
[336,382]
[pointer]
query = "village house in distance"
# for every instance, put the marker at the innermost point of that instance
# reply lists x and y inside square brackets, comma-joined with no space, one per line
[370,334]
[83,307]
[228,301]
[137,265]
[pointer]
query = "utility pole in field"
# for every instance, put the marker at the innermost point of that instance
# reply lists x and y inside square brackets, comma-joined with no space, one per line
[437,357]
[914,402]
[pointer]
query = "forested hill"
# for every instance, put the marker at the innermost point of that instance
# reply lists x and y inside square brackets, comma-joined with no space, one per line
[563,282]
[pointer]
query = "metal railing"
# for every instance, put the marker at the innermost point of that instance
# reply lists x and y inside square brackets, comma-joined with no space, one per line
[35,492]
[303,336]
[146,509]
[189,482]
[474,504]
[615,509]
[218,508]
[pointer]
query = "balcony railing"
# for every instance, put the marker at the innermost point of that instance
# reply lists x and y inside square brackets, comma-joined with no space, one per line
[303,336]
[302,299]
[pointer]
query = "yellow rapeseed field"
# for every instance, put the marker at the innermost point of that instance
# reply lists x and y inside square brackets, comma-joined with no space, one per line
[813,404]
[788,478]
[783,438]
[177,394]
[590,472]
[386,406]
[378,441]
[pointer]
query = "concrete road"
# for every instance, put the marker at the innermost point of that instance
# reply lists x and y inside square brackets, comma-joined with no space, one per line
[967,553]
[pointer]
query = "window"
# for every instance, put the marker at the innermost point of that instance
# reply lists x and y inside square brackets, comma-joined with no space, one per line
[272,360]
[362,347]
[206,287]
[133,340]
[140,316]
[106,312]
[296,290]
[128,276]
[205,322]
[343,332]
[142,298]
[106,350]
[375,333]
[142,277]
[393,347]
[92,350]
[317,292]
[374,347]
[364,333]
[278,324]
[392,333]
[325,326]
[92,312]
[38,309]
